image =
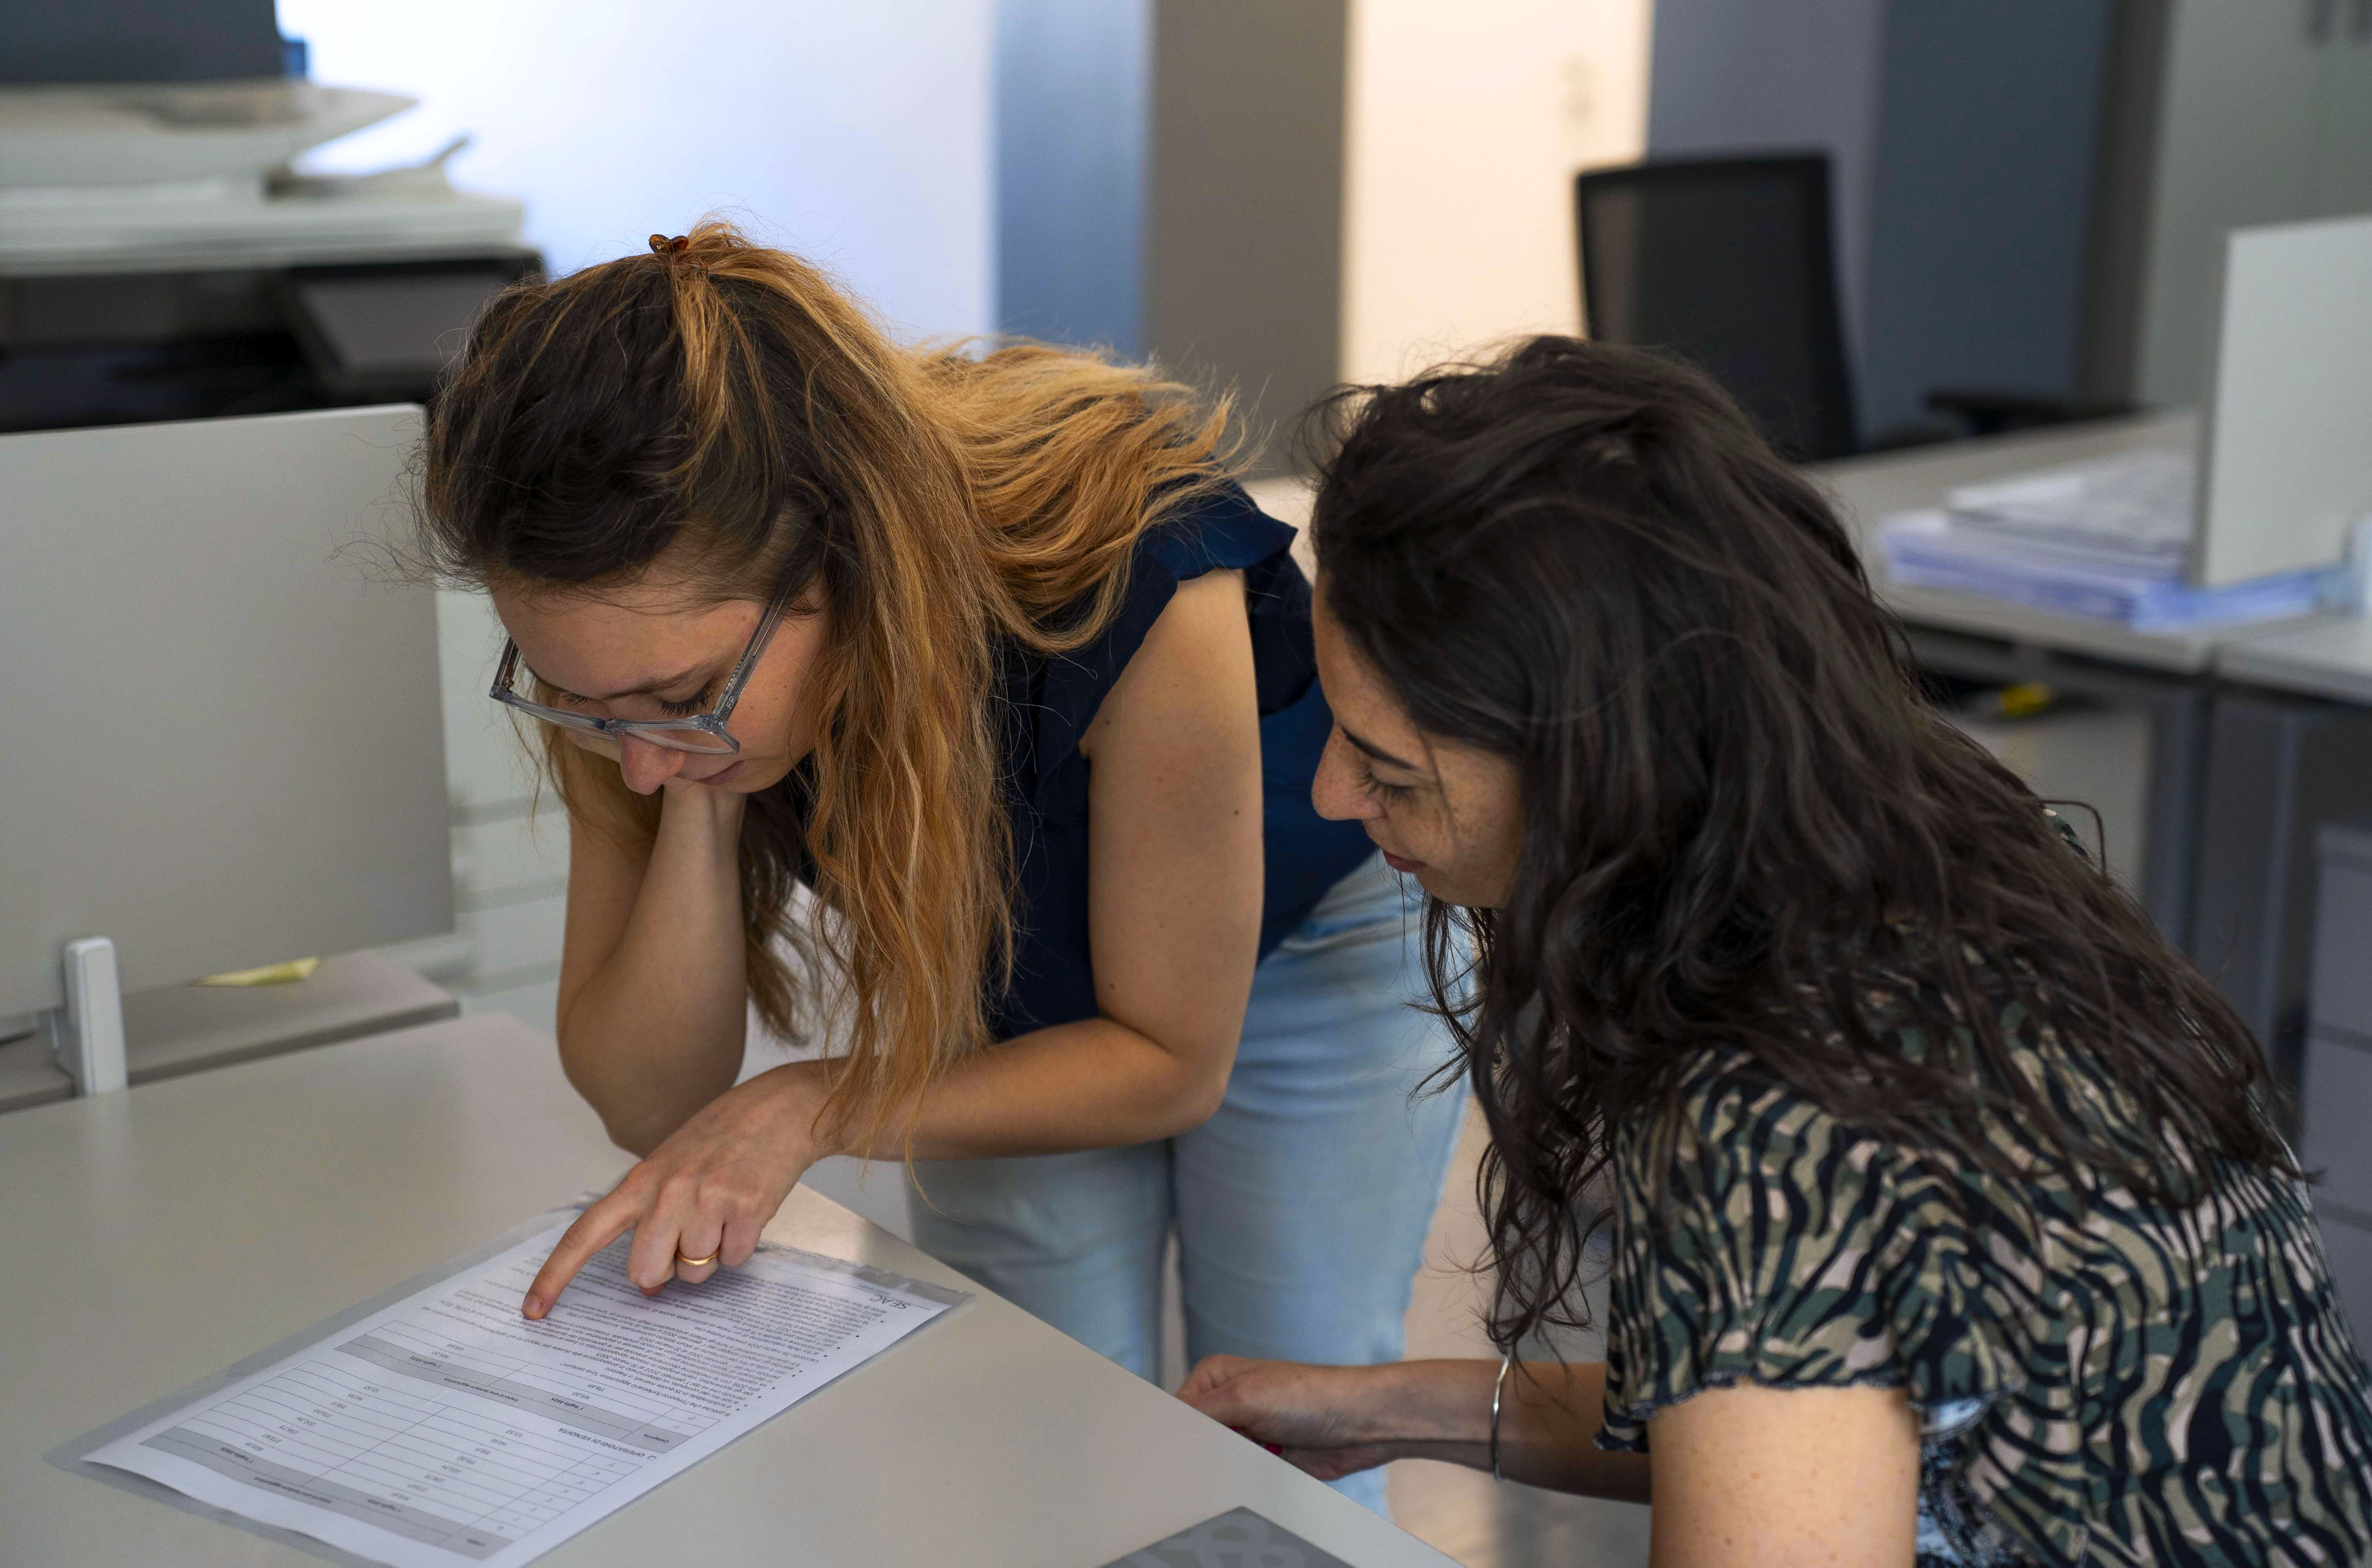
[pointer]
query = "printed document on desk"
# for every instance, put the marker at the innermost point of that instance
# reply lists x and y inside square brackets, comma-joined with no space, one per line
[449,1430]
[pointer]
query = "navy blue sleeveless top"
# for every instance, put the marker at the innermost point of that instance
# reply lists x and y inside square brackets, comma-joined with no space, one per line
[1049,702]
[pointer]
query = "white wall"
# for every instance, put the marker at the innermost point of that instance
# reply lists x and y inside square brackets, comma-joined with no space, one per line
[857,135]
[1467,123]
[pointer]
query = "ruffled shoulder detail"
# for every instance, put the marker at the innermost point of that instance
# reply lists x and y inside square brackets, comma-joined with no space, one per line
[1222,531]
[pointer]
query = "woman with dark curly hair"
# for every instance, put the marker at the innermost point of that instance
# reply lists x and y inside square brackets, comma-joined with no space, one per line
[1947,1220]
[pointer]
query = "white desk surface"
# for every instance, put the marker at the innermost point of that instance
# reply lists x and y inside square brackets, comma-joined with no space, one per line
[2331,657]
[1871,487]
[153,1238]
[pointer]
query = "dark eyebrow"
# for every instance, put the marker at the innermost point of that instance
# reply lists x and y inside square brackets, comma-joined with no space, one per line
[644,689]
[1378,752]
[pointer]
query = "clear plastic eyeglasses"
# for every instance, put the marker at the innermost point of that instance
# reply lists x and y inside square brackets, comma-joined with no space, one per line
[706,733]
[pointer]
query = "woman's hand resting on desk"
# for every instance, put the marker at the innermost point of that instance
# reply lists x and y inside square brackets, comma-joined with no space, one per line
[1331,1421]
[1328,1421]
[706,1192]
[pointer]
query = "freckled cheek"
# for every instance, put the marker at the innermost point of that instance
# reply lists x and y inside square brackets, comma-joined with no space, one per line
[1420,826]
[1501,860]
[776,716]
[779,724]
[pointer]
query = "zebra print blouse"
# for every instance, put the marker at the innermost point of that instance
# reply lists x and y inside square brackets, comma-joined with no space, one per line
[2099,1380]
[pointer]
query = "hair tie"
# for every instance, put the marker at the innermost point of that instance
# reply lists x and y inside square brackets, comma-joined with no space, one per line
[673,248]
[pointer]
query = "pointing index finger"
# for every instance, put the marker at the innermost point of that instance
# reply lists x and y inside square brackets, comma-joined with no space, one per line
[595,1228]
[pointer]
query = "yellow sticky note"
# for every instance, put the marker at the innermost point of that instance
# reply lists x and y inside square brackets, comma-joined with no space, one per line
[270,974]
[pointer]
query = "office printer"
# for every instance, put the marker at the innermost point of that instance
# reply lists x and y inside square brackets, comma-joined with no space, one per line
[158,259]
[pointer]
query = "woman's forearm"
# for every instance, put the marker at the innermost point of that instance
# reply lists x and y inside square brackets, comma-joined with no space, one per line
[656,1030]
[1549,1417]
[1090,1085]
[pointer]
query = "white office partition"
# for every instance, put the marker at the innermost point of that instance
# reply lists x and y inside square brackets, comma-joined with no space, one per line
[2288,454]
[220,741]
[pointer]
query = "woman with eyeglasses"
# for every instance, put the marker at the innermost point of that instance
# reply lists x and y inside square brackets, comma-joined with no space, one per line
[1944,1219]
[935,734]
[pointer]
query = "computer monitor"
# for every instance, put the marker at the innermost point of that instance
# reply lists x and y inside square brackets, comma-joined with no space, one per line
[2285,464]
[220,737]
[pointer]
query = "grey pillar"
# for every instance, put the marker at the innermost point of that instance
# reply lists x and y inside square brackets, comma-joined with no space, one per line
[1169,184]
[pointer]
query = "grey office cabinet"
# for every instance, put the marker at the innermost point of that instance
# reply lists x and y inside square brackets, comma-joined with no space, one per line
[1169,186]
[2278,768]
[2336,1080]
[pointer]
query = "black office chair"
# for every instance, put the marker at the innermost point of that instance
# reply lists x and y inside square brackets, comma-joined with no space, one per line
[1730,263]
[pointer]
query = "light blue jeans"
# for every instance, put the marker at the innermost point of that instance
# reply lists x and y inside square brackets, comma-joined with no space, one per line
[1300,1208]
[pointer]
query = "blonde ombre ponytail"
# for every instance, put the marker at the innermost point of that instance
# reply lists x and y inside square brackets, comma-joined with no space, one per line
[728,404]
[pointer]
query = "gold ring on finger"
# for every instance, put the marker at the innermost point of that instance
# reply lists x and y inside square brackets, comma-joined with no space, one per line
[684,1262]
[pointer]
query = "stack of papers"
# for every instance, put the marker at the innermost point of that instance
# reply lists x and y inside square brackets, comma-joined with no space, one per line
[2106,540]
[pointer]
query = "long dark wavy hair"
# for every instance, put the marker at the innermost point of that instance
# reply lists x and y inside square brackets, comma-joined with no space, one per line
[1736,801]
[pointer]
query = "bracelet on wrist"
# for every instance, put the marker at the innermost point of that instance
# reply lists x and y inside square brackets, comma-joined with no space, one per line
[1498,1385]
